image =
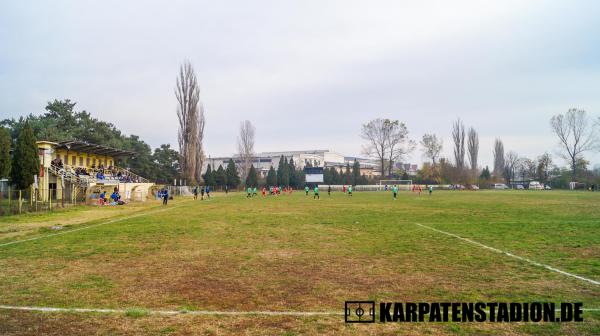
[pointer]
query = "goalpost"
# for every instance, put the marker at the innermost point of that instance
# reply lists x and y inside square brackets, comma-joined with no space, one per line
[401,184]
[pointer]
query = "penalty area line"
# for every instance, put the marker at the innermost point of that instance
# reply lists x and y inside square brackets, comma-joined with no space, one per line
[92,226]
[170,312]
[527,260]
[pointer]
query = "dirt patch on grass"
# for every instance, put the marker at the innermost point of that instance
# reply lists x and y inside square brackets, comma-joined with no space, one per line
[33,323]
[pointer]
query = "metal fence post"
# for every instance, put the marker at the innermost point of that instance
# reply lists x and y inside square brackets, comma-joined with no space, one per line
[20,201]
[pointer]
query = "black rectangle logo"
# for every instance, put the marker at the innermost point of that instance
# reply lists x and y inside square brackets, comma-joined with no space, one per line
[359,311]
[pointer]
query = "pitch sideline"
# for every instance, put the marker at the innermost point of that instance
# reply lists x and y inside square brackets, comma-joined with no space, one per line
[93,225]
[533,262]
[190,312]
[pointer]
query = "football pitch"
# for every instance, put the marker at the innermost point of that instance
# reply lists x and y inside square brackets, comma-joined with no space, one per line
[285,265]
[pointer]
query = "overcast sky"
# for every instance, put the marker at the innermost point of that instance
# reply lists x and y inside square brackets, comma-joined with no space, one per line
[307,74]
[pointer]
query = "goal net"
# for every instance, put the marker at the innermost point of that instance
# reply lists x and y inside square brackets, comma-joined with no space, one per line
[401,184]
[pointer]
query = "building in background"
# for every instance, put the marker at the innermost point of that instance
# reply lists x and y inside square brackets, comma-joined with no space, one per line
[409,168]
[312,158]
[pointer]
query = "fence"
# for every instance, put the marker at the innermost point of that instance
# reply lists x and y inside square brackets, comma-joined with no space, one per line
[18,201]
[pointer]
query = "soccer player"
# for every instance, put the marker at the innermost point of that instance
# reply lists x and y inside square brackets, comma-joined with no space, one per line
[430,190]
[165,196]
[208,192]
[196,192]
[329,191]
[271,190]
[202,193]
[306,189]
[420,190]
[395,192]
[264,191]
[344,189]
[350,190]
[254,193]
[248,192]
[316,192]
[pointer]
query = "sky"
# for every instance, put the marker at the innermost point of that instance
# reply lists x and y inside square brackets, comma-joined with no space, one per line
[309,73]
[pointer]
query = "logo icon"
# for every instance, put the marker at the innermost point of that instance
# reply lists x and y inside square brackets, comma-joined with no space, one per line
[359,311]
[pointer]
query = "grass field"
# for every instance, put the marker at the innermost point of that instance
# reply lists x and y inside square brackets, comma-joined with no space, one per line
[293,253]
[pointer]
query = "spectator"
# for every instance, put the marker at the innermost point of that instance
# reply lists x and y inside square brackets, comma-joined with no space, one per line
[102,198]
[115,196]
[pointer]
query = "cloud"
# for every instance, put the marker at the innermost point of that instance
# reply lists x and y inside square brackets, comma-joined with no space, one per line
[308,73]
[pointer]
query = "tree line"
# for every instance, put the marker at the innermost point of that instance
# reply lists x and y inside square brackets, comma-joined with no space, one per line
[287,174]
[62,122]
[577,134]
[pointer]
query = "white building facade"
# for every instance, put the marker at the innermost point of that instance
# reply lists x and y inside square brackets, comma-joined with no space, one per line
[314,158]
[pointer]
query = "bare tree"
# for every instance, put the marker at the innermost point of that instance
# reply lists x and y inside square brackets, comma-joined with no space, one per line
[376,133]
[432,147]
[544,162]
[399,145]
[499,164]
[473,148]
[245,143]
[200,156]
[387,140]
[458,136]
[576,134]
[187,93]
[511,164]
[527,168]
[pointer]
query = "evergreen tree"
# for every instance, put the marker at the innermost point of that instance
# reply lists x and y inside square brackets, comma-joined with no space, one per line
[271,177]
[283,175]
[221,177]
[62,122]
[166,161]
[485,173]
[348,175]
[4,152]
[25,162]
[232,176]
[335,176]
[209,177]
[293,174]
[252,178]
[356,173]
[301,178]
[327,176]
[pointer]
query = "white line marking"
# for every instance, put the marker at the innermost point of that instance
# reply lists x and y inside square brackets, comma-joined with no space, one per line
[190,312]
[172,312]
[92,226]
[533,262]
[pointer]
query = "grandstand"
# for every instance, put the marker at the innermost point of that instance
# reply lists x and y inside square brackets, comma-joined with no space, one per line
[76,170]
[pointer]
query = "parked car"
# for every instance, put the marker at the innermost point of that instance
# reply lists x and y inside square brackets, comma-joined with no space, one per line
[473,187]
[547,187]
[535,185]
[500,186]
[519,187]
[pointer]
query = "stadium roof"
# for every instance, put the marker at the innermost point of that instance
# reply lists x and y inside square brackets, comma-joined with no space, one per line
[82,146]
